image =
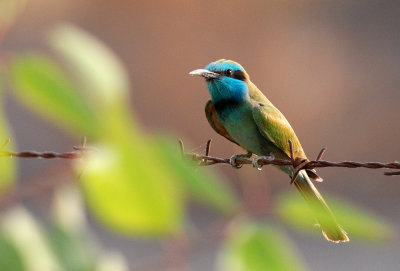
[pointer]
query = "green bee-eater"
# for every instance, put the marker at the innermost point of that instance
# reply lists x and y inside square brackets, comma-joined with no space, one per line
[240,112]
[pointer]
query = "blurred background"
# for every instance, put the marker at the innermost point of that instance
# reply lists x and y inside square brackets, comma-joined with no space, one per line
[332,67]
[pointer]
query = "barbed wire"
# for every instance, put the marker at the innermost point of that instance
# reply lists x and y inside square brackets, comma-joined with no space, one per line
[298,163]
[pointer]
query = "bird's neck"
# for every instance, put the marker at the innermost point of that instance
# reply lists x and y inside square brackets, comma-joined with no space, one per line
[222,105]
[228,94]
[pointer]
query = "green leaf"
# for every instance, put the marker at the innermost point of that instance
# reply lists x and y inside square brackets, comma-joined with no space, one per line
[128,188]
[42,86]
[202,183]
[68,209]
[99,69]
[10,259]
[126,184]
[7,164]
[356,221]
[71,239]
[252,247]
[101,73]
[73,252]
[28,237]
[68,235]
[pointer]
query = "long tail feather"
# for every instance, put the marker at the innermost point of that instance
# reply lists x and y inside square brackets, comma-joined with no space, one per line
[330,228]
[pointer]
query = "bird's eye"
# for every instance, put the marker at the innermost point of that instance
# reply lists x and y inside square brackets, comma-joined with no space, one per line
[229,72]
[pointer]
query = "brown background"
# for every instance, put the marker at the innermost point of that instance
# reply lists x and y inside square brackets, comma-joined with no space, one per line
[332,67]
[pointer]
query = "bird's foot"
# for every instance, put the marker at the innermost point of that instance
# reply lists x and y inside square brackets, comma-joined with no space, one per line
[259,166]
[233,158]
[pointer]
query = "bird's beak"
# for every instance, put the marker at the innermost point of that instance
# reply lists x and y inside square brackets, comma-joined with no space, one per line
[205,73]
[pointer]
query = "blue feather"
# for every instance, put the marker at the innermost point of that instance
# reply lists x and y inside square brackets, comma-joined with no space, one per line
[227,88]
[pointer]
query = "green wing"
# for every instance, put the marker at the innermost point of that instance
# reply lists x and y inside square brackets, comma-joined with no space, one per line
[273,125]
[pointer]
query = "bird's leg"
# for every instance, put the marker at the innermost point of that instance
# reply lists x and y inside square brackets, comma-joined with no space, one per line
[233,158]
[258,158]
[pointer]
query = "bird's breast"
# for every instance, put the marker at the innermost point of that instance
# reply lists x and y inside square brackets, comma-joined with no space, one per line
[239,123]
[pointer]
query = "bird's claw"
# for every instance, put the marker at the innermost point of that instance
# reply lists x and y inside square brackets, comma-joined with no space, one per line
[233,162]
[234,157]
[257,165]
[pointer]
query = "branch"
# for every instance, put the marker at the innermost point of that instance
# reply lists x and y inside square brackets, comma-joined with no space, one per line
[298,163]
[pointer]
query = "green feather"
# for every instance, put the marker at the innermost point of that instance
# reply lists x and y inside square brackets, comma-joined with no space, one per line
[274,126]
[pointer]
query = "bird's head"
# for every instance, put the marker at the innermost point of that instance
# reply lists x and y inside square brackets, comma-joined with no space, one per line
[225,79]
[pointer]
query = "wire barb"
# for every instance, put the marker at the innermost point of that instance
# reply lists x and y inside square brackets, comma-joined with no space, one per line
[321,153]
[182,147]
[208,147]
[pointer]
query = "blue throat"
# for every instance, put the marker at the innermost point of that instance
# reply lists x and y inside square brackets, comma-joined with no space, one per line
[227,93]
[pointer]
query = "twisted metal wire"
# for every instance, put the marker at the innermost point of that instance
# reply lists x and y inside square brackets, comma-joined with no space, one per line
[77,153]
[298,163]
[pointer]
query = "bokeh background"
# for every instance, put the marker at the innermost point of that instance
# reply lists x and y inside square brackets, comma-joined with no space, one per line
[332,67]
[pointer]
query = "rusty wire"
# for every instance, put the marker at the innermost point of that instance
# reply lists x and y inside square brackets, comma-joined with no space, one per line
[77,153]
[298,163]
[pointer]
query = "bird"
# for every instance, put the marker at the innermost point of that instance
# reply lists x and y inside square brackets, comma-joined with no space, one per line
[241,113]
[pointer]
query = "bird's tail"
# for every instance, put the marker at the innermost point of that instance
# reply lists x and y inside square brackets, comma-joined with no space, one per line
[330,228]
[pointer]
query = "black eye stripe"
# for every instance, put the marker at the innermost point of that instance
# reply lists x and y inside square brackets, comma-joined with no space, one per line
[238,74]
